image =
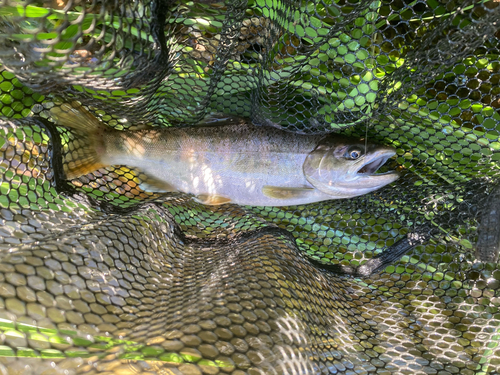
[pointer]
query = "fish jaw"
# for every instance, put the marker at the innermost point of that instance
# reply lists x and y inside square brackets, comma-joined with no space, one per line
[365,176]
[341,178]
[360,185]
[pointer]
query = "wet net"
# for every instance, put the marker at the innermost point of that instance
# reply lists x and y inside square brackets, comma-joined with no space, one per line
[98,276]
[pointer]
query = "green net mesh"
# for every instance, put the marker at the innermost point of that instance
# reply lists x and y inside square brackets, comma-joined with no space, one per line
[98,276]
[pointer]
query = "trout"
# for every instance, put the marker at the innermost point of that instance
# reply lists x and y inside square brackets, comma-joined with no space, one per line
[242,164]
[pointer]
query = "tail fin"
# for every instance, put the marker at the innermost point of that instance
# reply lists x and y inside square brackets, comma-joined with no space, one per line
[86,157]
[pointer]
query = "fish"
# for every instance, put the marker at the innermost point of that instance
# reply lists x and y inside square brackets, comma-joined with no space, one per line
[238,163]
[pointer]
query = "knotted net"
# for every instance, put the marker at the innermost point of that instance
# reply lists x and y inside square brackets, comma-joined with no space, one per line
[100,277]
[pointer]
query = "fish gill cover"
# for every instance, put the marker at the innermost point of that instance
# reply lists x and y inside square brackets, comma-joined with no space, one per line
[100,277]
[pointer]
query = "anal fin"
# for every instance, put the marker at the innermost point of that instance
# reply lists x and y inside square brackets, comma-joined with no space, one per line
[211,200]
[155,185]
[278,192]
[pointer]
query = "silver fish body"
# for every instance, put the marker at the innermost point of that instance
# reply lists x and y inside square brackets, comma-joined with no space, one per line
[244,164]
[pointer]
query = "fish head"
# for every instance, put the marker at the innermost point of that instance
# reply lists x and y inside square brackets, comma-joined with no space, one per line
[345,167]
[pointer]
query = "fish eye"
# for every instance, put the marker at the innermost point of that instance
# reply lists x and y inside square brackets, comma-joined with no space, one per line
[352,154]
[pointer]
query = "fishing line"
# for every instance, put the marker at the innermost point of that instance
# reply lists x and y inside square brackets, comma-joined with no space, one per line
[373,61]
[366,147]
[366,138]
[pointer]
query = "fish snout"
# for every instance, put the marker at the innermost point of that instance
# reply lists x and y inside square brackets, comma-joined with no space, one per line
[349,178]
[374,160]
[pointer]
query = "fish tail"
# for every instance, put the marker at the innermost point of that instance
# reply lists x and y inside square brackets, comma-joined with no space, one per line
[87,157]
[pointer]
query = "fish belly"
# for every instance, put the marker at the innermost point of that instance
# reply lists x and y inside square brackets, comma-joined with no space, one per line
[240,179]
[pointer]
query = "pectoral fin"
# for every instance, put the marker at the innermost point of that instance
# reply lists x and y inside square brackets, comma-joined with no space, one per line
[278,192]
[154,185]
[211,200]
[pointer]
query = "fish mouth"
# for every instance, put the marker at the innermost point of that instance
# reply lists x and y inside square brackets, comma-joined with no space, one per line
[373,162]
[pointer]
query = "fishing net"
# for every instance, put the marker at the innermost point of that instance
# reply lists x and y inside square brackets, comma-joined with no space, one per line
[100,277]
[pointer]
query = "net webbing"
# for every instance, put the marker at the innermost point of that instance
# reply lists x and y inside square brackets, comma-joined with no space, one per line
[98,276]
